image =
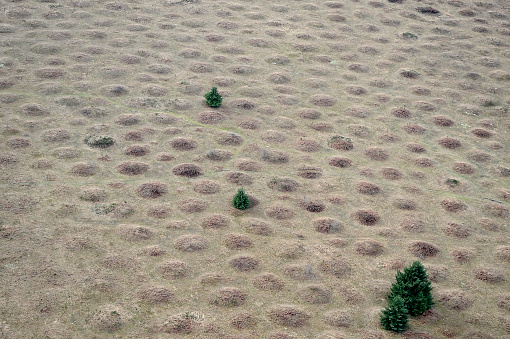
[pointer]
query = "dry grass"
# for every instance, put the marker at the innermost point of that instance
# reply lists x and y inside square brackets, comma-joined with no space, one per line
[239,178]
[314,294]
[237,241]
[457,230]
[463,168]
[341,144]
[327,225]
[369,247]
[219,155]
[414,129]
[132,168]
[215,221]
[244,263]
[190,243]
[211,118]
[177,324]
[405,204]
[390,173]
[449,143]
[376,153]
[229,139]
[135,233]
[497,210]
[268,282]
[274,156]
[423,249]
[367,217]
[248,165]
[363,129]
[340,162]
[462,256]
[315,206]
[416,148]
[183,144]
[93,194]
[257,226]
[401,112]
[288,315]
[503,253]
[338,318]
[437,273]
[187,170]
[442,121]
[192,205]
[337,267]
[453,205]
[228,297]
[175,269]
[83,169]
[243,320]
[309,172]
[489,274]
[152,190]
[156,295]
[280,212]
[503,301]
[454,300]
[206,187]
[283,184]
[137,150]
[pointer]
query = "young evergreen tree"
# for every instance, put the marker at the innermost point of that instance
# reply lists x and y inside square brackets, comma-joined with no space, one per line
[213,98]
[241,200]
[395,316]
[414,287]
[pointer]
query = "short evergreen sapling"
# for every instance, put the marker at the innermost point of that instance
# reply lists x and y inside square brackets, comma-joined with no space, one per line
[395,316]
[213,98]
[414,287]
[241,200]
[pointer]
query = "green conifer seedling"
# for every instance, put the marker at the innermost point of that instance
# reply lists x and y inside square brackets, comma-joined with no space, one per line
[213,98]
[395,316]
[241,200]
[414,287]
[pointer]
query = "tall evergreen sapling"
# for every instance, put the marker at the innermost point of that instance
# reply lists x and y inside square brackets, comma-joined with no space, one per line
[241,200]
[395,316]
[213,98]
[414,287]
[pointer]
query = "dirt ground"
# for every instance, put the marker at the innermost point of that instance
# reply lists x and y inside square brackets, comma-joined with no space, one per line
[367,134]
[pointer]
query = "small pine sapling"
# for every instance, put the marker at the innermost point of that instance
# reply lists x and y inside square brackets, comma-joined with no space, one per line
[395,316]
[213,98]
[241,200]
[414,287]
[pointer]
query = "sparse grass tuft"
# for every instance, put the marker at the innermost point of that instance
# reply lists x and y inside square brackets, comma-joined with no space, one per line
[228,297]
[369,247]
[340,143]
[99,141]
[423,249]
[152,190]
[288,315]
[489,274]
[187,170]
[367,217]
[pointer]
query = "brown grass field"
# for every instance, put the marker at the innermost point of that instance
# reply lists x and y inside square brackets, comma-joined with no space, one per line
[367,133]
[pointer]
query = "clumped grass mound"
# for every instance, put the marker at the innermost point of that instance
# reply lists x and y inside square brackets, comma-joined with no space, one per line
[99,141]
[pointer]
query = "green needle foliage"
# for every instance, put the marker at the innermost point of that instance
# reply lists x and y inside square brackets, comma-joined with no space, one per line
[213,98]
[241,200]
[395,316]
[414,287]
